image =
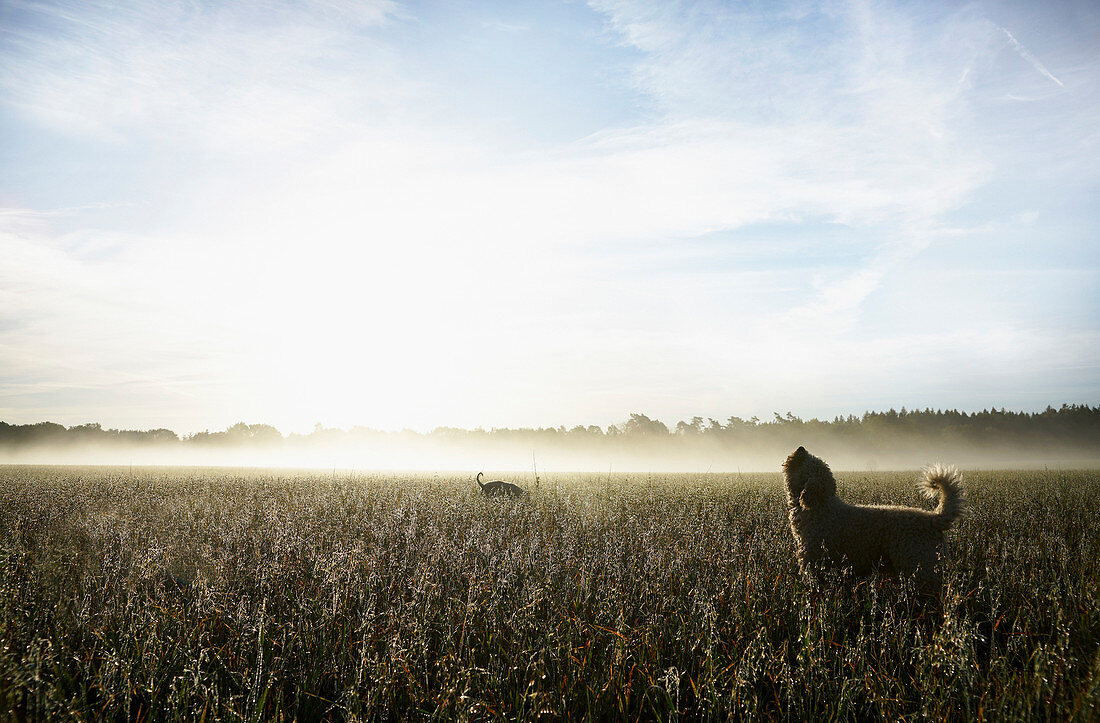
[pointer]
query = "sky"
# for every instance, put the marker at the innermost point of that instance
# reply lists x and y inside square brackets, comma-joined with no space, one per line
[503,214]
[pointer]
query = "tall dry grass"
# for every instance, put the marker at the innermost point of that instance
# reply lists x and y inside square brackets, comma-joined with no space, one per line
[171,594]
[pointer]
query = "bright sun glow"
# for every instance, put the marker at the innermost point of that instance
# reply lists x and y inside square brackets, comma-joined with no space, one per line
[408,215]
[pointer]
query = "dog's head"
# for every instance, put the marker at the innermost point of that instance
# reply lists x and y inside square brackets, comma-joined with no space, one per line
[809,480]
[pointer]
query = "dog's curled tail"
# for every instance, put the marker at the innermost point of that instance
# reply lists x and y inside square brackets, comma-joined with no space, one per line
[944,482]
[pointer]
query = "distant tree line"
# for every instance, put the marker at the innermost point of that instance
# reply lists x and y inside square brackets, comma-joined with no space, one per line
[49,433]
[1075,426]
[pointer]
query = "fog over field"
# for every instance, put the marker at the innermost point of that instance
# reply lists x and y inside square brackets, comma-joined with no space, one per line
[514,461]
[1068,437]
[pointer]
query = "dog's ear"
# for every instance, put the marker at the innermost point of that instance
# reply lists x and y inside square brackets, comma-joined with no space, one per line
[813,493]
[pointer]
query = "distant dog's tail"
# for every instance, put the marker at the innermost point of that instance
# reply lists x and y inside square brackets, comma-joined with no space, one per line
[945,483]
[479,482]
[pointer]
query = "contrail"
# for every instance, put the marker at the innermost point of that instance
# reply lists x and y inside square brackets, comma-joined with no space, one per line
[1026,55]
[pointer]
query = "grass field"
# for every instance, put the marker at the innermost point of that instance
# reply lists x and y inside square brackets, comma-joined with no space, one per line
[166,594]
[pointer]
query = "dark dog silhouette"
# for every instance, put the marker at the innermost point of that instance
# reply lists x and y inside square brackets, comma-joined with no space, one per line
[903,540]
[499,488]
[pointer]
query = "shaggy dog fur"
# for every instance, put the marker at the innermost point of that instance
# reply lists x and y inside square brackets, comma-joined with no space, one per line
[898,540]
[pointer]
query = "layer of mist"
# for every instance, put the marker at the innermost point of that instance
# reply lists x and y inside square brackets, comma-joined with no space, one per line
[1068,437]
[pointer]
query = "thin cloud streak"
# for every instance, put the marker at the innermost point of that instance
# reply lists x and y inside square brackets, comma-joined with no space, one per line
[1026,55]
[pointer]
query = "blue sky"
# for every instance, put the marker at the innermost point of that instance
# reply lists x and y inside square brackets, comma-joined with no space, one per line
[503,214]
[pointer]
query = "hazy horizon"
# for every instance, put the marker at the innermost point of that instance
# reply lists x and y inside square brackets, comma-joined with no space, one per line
[1062,438]
[514,462]
[415,214]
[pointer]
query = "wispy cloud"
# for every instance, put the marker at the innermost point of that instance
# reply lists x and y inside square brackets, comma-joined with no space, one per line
[853,108]
[239,75]
[309,209]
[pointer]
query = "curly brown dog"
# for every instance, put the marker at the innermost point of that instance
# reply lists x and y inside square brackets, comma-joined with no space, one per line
[903,541]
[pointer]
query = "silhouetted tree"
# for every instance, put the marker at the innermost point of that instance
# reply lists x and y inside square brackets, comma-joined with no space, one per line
[640,425]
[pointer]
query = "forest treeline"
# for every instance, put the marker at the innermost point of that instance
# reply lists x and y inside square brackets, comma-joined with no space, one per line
[1070,433]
